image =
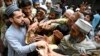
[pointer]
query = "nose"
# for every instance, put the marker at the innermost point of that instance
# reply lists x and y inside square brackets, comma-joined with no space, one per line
[22,18]
[28,10]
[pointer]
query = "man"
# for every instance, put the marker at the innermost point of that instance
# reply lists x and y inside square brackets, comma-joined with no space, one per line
[48,4]
[15,34]
[26,7]
[77,39]
[5,19]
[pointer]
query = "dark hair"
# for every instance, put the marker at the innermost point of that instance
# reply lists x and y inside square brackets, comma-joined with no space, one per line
[98,11]
[25,3]
[59,4]
[34,3]
[90,14]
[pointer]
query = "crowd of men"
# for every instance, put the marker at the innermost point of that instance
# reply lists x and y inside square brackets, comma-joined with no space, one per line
[41,28]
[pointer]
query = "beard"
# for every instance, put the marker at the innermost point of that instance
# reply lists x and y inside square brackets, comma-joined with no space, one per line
[76,39]
[73,39]
[22,24]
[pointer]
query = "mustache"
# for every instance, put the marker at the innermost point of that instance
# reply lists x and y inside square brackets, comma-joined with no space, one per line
[23,25]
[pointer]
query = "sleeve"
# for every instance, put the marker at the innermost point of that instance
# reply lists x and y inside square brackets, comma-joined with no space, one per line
[68,43]
[17,46]
[62,20]
[95,21]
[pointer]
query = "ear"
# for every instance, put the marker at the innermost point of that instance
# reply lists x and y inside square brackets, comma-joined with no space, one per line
[11,19]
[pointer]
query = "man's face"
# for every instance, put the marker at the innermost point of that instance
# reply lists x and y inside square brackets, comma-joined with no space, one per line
[74,31]
[8,2]
[87,18]
[40,15]
[52,16]
[27,10]
[18,19]
[68,15]
[83,8]
[37,5]
[48,4]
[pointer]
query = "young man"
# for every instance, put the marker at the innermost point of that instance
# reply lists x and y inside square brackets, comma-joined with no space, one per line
[26,7]
[15,34]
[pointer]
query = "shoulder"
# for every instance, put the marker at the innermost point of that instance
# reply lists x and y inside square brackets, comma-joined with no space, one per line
[10,31]
[96,15]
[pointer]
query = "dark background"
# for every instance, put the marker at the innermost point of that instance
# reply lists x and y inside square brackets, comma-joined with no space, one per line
[94,3]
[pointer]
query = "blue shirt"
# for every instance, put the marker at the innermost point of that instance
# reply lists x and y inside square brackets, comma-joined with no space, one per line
[16,42]
[96,20]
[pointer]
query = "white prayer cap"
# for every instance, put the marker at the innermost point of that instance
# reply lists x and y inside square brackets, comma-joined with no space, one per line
[70,11]
[44,7]
[77,9]
[49,1]
[84,26]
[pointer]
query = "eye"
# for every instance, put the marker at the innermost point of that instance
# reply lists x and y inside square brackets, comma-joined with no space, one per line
[18,17]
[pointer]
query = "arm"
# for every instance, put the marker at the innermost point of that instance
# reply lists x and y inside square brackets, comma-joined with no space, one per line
[17,46]
[61,20]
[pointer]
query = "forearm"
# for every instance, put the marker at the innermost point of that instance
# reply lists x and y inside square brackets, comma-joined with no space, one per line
[61,20]
[24,49]
[19,47]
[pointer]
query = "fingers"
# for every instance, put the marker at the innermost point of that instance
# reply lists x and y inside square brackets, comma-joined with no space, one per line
[45,51]
[47,27]
[26,20]
[33,27]
[82,51]
[58,34]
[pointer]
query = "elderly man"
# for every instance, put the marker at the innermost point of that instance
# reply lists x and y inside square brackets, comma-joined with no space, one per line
[77,39]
